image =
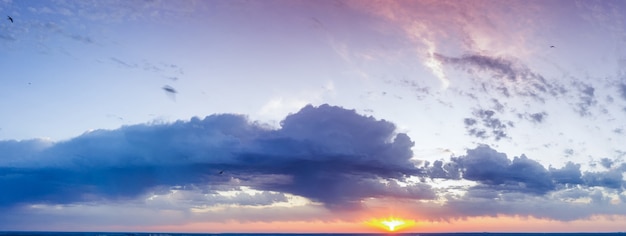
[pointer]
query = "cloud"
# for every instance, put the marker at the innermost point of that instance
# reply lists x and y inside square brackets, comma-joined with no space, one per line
[49,28]
[538,117]
[420,91]
[7,37]
[580,204]
[586,99]
[508,76]
[496,127]
[523,187]
[495,171]
[120,11]
[622,90]
[568,174]
[442,26]
[498,66]
[606,162]
[327,154]
[328,148]
[16,153]
[610,179]
[81,38]
[448,170]
[166,70]
[330,156]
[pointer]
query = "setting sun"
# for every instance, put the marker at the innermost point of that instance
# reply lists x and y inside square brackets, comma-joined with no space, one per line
[391,224]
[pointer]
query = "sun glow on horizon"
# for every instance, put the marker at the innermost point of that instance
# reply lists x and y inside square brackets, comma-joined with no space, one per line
[391,224]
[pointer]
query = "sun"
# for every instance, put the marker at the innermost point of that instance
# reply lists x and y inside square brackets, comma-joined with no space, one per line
[391,224]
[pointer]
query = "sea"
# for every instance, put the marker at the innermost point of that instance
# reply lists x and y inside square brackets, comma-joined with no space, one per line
[25,233]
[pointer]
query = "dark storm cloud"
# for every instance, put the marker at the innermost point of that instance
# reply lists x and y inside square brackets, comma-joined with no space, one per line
[328,154]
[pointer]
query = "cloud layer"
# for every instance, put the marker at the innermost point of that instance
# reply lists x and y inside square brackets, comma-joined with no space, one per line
[327,154]
[523,187]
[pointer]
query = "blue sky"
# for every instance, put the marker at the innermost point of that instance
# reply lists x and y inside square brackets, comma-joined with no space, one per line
[448,113]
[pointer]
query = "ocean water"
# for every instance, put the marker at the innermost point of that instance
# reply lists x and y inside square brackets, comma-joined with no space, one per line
[23,233]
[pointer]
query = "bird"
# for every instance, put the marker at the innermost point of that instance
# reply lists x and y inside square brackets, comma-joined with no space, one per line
[221,172]
[552,46]
[169,89]
[10,18]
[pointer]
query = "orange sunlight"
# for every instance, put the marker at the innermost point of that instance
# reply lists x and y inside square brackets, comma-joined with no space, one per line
[391,224]
[607,223]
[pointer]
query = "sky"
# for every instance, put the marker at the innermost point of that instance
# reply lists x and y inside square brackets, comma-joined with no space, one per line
[312,116]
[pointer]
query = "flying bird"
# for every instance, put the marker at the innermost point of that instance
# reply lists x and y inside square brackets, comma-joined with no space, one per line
[10,18]
[170,92]
[552,46]
[169,89]
[221,172]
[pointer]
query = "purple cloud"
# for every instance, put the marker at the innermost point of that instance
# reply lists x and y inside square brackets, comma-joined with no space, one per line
[328,154]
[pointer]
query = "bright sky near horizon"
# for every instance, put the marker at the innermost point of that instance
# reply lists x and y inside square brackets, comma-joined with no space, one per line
[312,116]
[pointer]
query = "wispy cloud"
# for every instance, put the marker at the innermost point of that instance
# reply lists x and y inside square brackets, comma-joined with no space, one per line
[123,63]
[434,27]
[622,90]
[165,70]
[587,99]
[119,11]
[82,38]
[507,77]
[7,37]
